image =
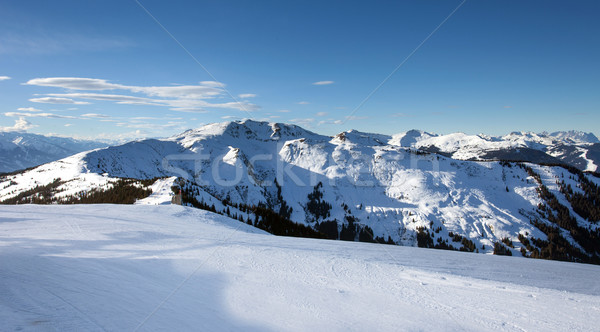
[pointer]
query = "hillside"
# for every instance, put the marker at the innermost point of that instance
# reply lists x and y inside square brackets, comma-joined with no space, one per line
[114,268]
[354,186]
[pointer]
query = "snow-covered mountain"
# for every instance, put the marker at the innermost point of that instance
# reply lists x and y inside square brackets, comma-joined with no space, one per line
[574,148]
[353,186]
[173,268]
[575,137]
[24,150]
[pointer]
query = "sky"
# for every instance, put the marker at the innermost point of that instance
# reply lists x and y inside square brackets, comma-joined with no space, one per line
[132,69]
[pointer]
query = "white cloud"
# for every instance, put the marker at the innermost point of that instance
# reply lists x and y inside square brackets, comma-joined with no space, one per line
[119,99]
[39,115]
[20,125]
[303,122]
[28,109]
[321,114]
[4,78]
[68,124]
[183,98]
[95,116]
[247,95]
[145,118]
[303,103]
[284,111]
[206,89]
[74,83]
[190,110]
[323,82]
[330,122]
[226,117]
[53,100]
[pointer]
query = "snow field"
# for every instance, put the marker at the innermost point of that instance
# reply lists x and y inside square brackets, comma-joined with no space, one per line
[108,267]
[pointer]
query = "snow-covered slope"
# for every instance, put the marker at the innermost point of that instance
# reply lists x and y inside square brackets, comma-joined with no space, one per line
[573,148]
[351,181]
[172,268]
[23,150]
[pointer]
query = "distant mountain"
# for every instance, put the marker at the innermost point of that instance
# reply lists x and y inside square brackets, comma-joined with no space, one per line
[573,148]
[354,186]
[575,137]
[24,150]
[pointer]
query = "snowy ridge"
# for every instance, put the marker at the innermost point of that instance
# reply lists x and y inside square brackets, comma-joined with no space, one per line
[393,190]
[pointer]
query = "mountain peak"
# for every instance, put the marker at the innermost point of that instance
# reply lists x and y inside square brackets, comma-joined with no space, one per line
[246,130]
[410,137]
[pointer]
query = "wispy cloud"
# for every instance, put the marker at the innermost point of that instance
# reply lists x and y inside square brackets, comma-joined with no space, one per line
[95,116]
[28,109]
[303,121]
[303,103]
[119,99]
[20,125]
[39,115]
[185,98]
[247,95]
[321,114]
[330,122]
[323,82]
[4,78]
[284,111]
[54,100]
[354,117]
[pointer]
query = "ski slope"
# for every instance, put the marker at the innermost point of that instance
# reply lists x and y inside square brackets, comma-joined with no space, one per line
[173,268]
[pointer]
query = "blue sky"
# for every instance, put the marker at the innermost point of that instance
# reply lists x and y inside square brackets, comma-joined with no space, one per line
[107,69]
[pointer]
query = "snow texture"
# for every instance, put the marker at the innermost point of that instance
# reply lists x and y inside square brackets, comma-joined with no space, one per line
[173,268]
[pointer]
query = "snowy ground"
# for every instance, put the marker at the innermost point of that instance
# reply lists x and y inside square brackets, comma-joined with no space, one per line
[172,268]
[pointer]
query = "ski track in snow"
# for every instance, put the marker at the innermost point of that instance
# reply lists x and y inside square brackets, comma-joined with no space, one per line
[107,267]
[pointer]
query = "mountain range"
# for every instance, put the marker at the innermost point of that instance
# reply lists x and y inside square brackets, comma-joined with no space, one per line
[24,150]
[353,186]
[574,148]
